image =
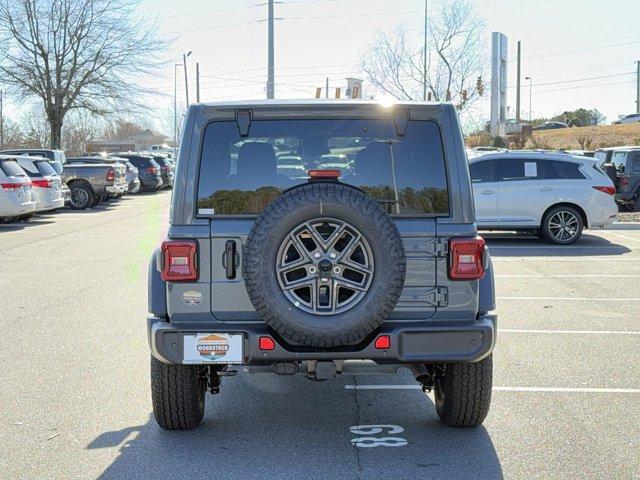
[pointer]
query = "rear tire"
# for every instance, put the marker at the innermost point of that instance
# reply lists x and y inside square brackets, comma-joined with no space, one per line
[552,225]
[178,394]
[463,396]
[82,196]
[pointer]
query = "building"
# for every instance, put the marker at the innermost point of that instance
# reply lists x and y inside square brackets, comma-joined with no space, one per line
[137,142]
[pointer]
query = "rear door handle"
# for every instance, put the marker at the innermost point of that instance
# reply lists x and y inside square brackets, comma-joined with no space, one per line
[487,192]
[229,259]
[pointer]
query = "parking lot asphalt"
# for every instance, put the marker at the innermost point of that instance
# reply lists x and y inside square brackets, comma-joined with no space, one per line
[75,399]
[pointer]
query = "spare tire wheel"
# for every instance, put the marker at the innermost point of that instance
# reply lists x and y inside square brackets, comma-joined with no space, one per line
[324,265]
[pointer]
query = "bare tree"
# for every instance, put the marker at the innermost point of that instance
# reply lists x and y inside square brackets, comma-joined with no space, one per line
[76,54]
[394,63]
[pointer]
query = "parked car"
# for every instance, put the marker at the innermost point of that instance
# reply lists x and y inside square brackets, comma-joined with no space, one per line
[633,118]
[121,181]
[46,183]
[55,157]
[604,155]
[336,160]
[383,266]
[164,149]
[91,183]
[627,165]
[554,195]
[149,172]
[550,126]
[292,166]
[16,200]
[166,168]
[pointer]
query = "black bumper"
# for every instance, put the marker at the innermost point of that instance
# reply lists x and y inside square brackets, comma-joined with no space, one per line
[443,342]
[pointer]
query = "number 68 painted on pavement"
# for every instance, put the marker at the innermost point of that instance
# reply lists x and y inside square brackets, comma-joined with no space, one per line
[369,441]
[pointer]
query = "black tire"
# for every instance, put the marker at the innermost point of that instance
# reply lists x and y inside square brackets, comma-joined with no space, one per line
[178,395]
[547,229]
[333,201]
[463,396]
[82,196]
[96,201]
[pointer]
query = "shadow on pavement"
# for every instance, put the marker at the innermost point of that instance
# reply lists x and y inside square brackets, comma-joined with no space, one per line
[284,427]
[507,244]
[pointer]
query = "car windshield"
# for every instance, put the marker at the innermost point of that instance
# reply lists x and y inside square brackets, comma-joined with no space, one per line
[406,174]
[11,168]
[619,159]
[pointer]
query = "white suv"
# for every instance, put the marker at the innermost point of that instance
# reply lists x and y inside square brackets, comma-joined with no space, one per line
[555,195]
[15,190]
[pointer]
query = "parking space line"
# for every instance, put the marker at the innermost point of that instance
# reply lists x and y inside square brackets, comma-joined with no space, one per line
[623,236]
[506,389]
[579,299]
[568,276]
[566,332]
[558,248]
[577,258]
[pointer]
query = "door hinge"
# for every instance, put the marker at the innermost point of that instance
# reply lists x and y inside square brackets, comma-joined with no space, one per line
[439,296]
[438,247]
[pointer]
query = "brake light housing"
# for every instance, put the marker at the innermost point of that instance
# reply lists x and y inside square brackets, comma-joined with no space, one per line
[45,183]
[466,258]
[111,175]
[329,174]
[179,260]
[12,186]
[609,190]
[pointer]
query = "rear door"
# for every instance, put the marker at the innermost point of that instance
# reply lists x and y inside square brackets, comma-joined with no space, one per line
[485,191]
[525,193]
[239,177]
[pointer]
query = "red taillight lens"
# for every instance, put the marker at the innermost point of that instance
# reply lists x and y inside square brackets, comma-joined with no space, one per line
[152,170]
[266,343]
[42,183]
[624,180]
[608,190]
[383,342]
[322,174]
[111,175]
[179,261]
[466,259]
[12,187]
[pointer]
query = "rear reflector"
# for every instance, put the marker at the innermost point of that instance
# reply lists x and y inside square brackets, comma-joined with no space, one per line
[383,342]
[333,174]
[466,259]
[179,261]
[266,343]
[42,183]
[608,190]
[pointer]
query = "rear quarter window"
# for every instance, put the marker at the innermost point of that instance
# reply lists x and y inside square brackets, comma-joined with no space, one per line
[11,168]
[562,170]
[242,175]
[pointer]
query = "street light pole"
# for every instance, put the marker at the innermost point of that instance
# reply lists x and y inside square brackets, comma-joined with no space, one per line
[530,89]
[424,54]
[270,67]
[175,103]
[186,81]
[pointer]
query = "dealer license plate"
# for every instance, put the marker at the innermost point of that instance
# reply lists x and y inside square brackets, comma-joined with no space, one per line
[213,348]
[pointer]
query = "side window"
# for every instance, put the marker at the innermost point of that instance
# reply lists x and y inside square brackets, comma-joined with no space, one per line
[635,162]
[555,169]
[483,171]
[519,169]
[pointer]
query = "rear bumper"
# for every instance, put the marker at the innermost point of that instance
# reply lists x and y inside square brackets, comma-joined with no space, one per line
[624,197]
[49,205]
[445,342]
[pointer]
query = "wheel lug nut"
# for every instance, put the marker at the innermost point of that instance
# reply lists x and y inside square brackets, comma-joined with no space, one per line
[312,269]
[332,255]
[324,280]
[336,270]
[317,255]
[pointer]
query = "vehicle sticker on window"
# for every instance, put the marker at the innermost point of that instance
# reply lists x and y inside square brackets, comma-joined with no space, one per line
[530,169]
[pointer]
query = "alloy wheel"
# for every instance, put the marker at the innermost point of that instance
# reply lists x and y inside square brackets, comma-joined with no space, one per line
[563,226]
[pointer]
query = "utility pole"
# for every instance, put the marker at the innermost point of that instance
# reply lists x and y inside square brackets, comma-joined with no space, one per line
[518,85]
[198,82]
[424,54]
[186,80]
[175,103]
[270,73]
[326,90]
[638,86]
[530,94]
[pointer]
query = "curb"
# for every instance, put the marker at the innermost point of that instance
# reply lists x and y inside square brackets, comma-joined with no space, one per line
[623,226]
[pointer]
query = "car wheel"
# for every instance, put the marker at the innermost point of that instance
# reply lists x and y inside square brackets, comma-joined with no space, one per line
[82,196]
[177,392]
[324,265]
[562,225]
[463,395]
[25,217]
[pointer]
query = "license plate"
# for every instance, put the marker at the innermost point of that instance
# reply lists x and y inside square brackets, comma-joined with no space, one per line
[213,348]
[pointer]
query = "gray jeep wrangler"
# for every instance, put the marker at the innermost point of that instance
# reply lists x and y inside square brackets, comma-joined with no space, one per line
[321,238]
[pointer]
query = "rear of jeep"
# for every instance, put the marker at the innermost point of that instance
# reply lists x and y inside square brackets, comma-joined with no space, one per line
[321,270]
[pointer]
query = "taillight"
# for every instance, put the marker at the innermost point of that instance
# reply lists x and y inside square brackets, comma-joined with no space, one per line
[624,180]
[466,258]
[608,189]
[330,174]
[42,183]
[179,261]
[111,175]
[152,170]
[12,187]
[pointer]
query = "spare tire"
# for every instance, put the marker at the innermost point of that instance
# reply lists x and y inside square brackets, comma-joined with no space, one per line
[324,265]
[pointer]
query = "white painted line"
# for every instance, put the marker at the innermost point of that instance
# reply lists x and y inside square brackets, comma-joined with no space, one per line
[557,248]
[505,389]
[579,299]
[626,237]
[577,258]
[576,332]
[568,276]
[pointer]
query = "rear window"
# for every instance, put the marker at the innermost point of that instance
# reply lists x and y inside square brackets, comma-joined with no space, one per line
[29,167]
[242,175]
[619,159]
[46,169]
[562,170]
[11,168]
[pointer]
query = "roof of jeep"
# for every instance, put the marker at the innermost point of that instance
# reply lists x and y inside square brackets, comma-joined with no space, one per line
[315,102]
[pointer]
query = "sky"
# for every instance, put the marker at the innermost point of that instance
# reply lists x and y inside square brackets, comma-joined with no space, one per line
[579,53]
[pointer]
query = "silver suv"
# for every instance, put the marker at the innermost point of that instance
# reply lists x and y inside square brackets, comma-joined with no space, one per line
[366,270]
